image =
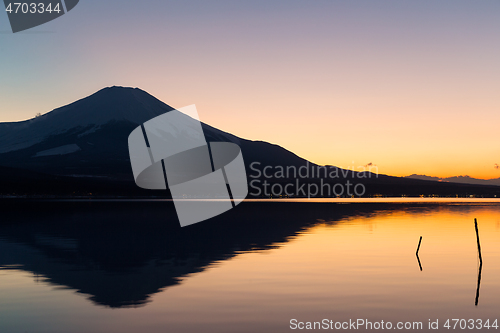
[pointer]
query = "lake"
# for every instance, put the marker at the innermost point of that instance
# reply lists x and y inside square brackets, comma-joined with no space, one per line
[127,266]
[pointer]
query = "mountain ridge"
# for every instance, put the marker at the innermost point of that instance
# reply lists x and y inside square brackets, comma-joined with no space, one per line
[106,105]
[90,136]
[85,146]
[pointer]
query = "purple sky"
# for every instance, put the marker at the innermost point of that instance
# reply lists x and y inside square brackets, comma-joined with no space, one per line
[411,86]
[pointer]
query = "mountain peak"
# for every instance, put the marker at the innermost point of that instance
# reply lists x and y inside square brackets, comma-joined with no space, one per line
[118,90]
[111,104]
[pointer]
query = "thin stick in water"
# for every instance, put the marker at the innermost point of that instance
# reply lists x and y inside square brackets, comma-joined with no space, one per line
[419,242]
[480,263]
[478,243]
[416,253]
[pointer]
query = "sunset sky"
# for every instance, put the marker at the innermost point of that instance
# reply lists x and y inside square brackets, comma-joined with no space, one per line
[411,86]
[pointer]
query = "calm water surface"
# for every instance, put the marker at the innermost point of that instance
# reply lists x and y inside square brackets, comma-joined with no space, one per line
[128,267]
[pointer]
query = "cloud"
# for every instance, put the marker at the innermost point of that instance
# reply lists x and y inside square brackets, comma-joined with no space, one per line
[370,165]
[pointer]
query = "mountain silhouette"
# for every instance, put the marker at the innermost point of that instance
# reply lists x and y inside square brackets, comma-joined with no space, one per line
[86,116]
[89,137]
[82,148]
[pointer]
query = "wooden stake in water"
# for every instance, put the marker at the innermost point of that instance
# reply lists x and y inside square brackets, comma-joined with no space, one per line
[418,248]
[478,244]
[480,263]
[419,242]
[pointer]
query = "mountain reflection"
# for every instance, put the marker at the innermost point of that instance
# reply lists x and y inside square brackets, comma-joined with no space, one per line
[121,253]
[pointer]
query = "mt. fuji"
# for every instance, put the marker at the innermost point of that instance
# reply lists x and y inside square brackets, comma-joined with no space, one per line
[85,116]
[82,148]
[89,136]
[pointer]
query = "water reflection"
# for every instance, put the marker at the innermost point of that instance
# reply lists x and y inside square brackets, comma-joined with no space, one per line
[480,269]
[120,254]
[419,263]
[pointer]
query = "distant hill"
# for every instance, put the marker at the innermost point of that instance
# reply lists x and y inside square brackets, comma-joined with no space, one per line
[459,180]
[82,148]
